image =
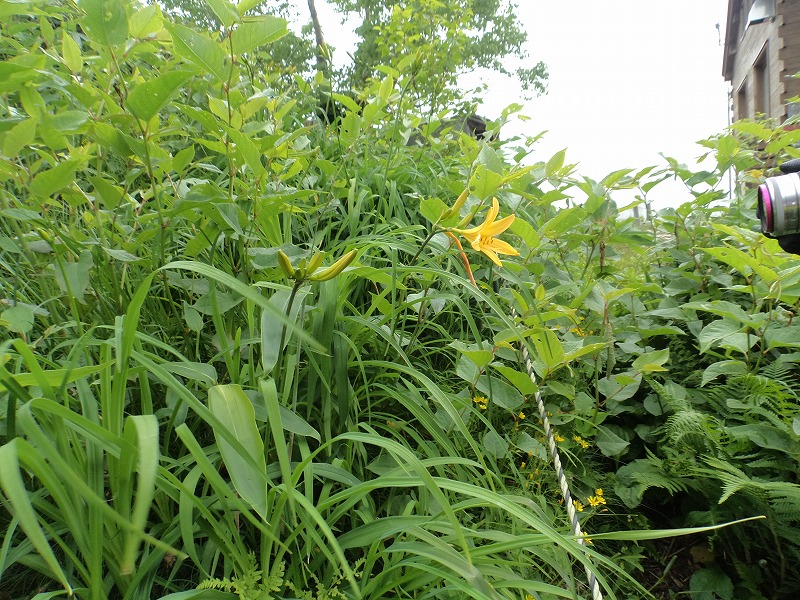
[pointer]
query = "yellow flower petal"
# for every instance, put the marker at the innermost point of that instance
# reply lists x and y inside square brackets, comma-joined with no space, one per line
[498,227]
[499,246]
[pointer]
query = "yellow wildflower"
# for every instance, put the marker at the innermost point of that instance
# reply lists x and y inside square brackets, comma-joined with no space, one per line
[578,505]
[595,501]
[482,237]
[558,438]
[521,416]
[599,491]
[523,464]
[481,401]
[581,442]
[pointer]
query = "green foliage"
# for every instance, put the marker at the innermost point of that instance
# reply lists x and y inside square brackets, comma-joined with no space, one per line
[244,353]
[437,40]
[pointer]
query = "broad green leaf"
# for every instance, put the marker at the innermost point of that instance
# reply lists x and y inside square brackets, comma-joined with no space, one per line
[202,372]
[200,50]
[484,182]
[149,97]
[763,435]
[650,362]
[194,320]
[609,442]
[235,412]
[563,222]
[13,77]
[347,101]
[562,389]
[783,337]
[724,308]
[106,22]
[620,387]
[612,178]
[525,231]
[294,423]
[122,255]
[182,160]
[494,445]
[18,319]
[432,209]
[145,22]
[46,183]
[532,446]
[248,150]
[71,53]
[555,163]
[247,5]
[549,349]
[481,354]
[725,367]
[224,11]
[489,158]
[521,381]
[710,583]
[256,32]
[19,136]
[499,392]
[73,277]
[742,262]
[726,334]
[584,350]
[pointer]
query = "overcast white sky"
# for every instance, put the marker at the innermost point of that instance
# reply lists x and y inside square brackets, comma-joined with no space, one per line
[628,79]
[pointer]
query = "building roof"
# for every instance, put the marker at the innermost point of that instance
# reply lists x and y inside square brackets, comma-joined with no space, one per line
[731,38]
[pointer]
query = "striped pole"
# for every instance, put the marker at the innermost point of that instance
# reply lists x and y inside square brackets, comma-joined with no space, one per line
[597,594]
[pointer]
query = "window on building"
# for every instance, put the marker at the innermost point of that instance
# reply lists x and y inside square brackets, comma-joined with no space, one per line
[761,10]
[761,83]
[741,101]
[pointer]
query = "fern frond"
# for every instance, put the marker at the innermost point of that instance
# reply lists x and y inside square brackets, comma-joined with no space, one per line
[693,430]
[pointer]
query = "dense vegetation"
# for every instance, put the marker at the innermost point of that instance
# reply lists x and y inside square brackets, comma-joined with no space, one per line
[251,353]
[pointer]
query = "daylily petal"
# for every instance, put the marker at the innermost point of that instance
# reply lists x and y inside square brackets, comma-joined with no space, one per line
[498,227]
[499,246]
[491,215]
[493,212]
[495,259]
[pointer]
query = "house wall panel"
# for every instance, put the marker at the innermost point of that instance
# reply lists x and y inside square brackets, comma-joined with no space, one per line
[789,32]
[754,40]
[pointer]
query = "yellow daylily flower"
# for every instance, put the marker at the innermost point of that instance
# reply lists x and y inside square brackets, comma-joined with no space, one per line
[482,238]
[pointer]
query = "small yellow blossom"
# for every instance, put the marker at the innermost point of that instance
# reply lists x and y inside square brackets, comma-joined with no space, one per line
[581,442]
[578,505]
[558,438]
[521,416]
[482,237]
[523,464]
[595,501]
[599,491]
[481,401]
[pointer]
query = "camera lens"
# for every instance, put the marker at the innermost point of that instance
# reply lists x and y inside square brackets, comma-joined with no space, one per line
[779,205]
[764,210]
